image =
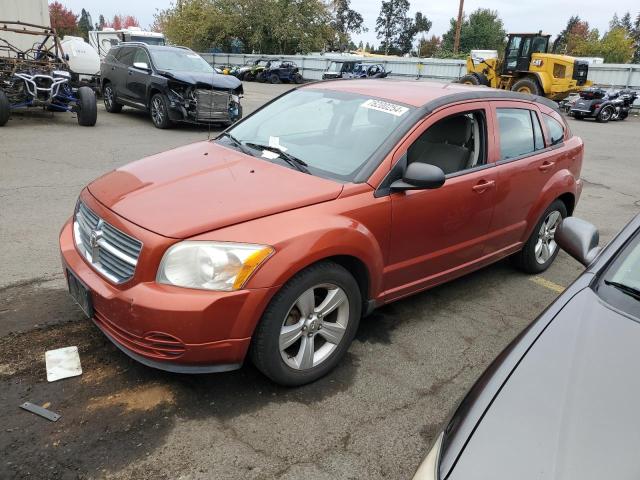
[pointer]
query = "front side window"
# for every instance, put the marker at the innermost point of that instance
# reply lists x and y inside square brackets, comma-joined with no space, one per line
[180,60]
[517,136]
[334,133]
[556,130]
[454,144]
[140,56]
[125,55]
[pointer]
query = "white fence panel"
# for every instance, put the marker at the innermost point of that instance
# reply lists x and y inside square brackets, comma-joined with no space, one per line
[312,66]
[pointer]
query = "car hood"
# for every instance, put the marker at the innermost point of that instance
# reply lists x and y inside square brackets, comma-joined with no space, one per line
[570,408]
[199,79]
[205,186]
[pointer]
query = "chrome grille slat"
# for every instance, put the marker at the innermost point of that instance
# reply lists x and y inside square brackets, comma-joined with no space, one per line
[109,250]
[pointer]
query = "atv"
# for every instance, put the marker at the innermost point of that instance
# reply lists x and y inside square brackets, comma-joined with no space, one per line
[252,70]
[280,71]
[41,77]
[365,70]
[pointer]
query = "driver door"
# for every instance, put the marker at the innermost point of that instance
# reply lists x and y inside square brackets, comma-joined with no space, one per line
[137,78]
[439,234]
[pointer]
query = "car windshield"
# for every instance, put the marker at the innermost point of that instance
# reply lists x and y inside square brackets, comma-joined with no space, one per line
[335,66]
[620,285]
[333,133]
[147,40]
[180,60]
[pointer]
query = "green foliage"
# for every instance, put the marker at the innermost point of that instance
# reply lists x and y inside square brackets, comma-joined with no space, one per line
[344,22]
[265,26]
[482,30]
[84,24]
[428,48]
[396,29]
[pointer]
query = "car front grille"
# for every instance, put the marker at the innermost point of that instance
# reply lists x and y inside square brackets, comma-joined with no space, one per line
[212,105]
[109,251]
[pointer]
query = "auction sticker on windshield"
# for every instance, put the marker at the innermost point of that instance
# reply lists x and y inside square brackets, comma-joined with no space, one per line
[381,106]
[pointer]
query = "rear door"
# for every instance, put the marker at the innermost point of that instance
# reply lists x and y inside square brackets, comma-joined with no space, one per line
[525,163]
[119,71]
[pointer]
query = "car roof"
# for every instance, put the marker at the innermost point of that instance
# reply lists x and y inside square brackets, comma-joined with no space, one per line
[155,47]
[420,93]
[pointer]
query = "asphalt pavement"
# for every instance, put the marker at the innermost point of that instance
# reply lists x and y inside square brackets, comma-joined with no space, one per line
[373,417]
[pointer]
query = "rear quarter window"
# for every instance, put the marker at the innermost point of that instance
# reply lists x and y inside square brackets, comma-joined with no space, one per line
[517,136]
[555,128]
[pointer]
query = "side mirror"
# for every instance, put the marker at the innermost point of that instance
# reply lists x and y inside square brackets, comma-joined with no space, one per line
[141,65]
[579,239]
[419,176]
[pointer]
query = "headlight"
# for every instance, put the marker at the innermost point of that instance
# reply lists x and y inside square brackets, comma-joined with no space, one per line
[211,265]
[428,469]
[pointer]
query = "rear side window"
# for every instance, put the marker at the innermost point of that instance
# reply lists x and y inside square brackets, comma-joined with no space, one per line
[556,130]
[517,134]
[125,55]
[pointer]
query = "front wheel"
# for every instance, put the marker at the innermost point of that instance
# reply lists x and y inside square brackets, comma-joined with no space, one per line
[160,111]
[527,85]
[109,97]
[88,110]
[297,78]
[541,248]
[308,326]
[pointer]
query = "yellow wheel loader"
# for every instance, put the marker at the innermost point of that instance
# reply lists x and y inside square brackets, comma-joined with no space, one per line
[528,68]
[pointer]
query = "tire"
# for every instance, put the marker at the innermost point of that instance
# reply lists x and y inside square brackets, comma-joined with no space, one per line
[274,78]
[290,366]
[623,115]
[527,85]
[159,111]
[527,259]
[470,79]
[605,114]
[297,78]
[578,116]
[88,108]
[248,77]
[261,78]
[5,108]
[111,105]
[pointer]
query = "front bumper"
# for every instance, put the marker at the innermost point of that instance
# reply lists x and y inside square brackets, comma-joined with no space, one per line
[170,328]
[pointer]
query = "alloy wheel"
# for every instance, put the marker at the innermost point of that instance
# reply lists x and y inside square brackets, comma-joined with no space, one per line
[314,326]
[157,111]
[108,97]
[546,245]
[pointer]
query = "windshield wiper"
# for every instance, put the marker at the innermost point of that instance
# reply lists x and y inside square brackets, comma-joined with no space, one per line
[633,292]
[295,162]
[237,143]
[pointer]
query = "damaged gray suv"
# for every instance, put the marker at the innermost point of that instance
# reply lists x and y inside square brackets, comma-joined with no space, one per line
[174,84]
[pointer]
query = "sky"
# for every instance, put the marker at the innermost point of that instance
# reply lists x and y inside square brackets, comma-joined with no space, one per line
[550,16]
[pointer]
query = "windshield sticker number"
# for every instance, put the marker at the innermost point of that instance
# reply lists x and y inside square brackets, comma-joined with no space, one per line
[391,108]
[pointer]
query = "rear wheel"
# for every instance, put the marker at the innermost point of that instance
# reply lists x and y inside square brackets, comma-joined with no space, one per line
[605,114]
[308,326]
[88,110]
[541,248]
[109,98]
[160,112]
[5,108]
[274,78]
[248,77]
[527,85]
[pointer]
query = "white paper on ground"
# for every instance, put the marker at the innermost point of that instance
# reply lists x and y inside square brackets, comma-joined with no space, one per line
[62,363]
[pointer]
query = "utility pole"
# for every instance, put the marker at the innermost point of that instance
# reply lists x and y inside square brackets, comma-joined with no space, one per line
[456,41]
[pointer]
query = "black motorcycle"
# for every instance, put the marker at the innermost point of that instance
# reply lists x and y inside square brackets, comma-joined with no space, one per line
[603,105]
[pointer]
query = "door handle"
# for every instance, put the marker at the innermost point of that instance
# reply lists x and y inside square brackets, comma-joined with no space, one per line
[546,165]
[483,186]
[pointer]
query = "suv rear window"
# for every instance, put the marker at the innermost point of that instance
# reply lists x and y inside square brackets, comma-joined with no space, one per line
[520,132]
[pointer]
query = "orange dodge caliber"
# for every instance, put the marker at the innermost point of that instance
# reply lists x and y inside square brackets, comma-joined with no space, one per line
[333,199]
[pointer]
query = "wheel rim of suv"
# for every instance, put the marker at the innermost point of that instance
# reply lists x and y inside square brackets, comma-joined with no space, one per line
[546,245]
[314,327]
[108,97]
[156,111]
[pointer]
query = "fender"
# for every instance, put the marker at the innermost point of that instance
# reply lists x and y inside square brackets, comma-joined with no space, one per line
[544,80]
[603,104]
[559,183]
[325,236]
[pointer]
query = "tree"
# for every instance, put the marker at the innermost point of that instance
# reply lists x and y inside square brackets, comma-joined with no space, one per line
[579,33]
[85,24]
[367,47]
[617,46]
[360,46]
[101,22]
[560,43]
[636,39]
[483,29]
[345,21]
[62,19]
[396,29]
[429,48]
[120,22]
[625,22]
[614,22]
